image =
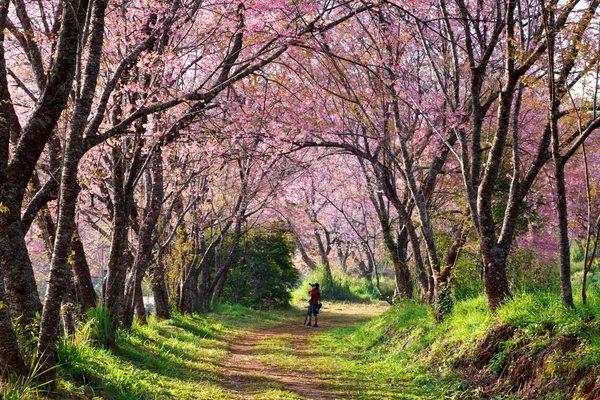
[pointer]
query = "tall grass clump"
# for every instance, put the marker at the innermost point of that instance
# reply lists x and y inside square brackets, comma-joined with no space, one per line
[30,386]
[97,326]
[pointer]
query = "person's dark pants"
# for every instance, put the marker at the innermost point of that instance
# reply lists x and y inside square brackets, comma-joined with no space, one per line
[313,309]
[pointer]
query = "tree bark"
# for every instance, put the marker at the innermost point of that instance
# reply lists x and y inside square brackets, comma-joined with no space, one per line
[146,240]
[159,290]
[10,356]
[117,263]
[324,247]
[69,309]
[189,287]
[342,256]
[85,286]
[204,282]
[305,257]
[140,307]
[559,166]
[20,282]
[223,271]
[60,273]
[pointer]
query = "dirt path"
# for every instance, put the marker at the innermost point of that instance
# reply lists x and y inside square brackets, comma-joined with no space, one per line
[246,374]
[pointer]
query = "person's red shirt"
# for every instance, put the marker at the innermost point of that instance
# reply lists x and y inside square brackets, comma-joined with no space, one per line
[314,296]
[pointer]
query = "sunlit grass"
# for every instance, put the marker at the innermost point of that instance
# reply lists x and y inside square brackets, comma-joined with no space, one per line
[177,358]
[401,354]
[405,354]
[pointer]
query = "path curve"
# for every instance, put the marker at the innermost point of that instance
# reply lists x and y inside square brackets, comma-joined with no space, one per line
[243,369]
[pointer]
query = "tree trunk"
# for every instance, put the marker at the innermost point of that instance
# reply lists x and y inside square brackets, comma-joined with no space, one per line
[140,307]
[21,288]
[117,263]
[15,175]
[324,250]
[159,289]
[494,277]
[223,272]
[559,167]
[218,286]
[10,356]
[61,278]
[204,283]
[60,273]
[305,257]
[189,287]
[85,286]
[563,225]
[402,276]
[70,310]
[146,238]
[343,257]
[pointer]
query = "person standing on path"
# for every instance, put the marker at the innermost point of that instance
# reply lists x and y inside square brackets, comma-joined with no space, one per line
[313,308]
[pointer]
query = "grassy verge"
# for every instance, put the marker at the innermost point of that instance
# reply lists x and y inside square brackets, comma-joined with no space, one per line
[177,358]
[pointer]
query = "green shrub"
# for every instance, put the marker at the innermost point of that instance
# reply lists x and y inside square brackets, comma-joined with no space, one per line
[577,252]
[29,386]
[263,273]
[466,278]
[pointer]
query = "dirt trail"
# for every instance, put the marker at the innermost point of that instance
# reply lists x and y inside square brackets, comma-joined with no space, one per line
[245,373]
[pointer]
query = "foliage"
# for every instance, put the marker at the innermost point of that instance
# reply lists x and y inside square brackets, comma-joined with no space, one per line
[366,287]
[178,258]
[526,271]
[577,251]
[263,273]
[28,335]
[466,281]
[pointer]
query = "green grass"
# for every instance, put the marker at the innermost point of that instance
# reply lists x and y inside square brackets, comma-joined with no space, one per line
[401,354]
[162,359]
[177,358]
[342,288]
[405,354]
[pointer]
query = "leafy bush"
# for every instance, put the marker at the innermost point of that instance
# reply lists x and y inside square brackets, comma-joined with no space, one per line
[263,273]
[577,252]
